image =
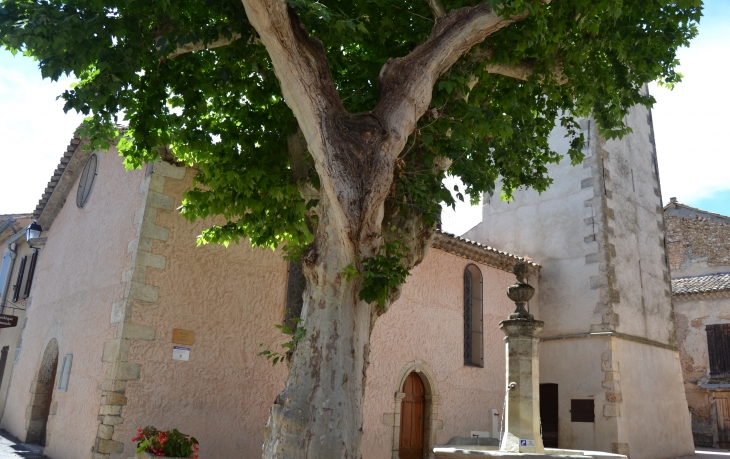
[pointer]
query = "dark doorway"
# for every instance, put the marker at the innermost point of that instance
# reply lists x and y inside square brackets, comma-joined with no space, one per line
[549,414]
[42,396]
[412,411]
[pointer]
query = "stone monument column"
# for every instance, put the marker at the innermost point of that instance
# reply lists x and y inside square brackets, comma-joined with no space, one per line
[522,413]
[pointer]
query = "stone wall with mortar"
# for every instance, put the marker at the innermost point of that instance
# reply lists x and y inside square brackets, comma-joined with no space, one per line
[77,279]
[697,246]
[698,243]
[693,314]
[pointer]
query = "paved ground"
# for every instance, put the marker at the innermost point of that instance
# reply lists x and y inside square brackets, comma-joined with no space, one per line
[701,453]
[11,448]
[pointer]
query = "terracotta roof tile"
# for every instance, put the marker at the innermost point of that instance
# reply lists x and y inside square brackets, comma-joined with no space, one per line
[701,284]
[478,252]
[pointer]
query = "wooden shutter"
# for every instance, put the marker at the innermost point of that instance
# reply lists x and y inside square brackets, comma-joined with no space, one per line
[16,287]
[5,272]
[31,271]
[473,317]
[3,362]
[582,410]
[718,346]
[467,316]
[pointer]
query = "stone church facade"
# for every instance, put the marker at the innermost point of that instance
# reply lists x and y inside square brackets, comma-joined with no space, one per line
[118,273]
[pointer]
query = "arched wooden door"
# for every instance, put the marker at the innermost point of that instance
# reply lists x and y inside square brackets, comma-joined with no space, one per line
[412,418]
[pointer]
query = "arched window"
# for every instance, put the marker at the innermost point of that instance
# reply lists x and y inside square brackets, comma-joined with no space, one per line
[86,181]
[473,317]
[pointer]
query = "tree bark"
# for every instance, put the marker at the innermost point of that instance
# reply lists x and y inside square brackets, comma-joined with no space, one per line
[319,413]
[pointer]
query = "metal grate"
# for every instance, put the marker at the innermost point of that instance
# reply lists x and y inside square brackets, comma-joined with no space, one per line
[87,181]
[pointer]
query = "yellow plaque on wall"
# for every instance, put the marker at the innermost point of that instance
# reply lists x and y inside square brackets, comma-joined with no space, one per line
[183,336]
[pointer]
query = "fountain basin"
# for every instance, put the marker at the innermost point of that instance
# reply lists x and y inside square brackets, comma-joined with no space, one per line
[478,451]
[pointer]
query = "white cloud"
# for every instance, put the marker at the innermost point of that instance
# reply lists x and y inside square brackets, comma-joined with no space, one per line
[34,131]
[691,124]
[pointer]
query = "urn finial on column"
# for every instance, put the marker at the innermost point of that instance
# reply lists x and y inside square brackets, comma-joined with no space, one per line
[520,292]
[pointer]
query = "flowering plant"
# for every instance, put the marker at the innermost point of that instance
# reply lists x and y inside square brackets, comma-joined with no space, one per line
[168,443]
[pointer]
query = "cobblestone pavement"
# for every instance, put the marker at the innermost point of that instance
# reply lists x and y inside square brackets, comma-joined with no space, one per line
[11,448]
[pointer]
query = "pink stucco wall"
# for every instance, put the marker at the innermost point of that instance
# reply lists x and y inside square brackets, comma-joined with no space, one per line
[77,279]
[427,323]
[231,298]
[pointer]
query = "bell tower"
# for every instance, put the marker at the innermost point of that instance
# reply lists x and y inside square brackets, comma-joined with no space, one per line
[605,295]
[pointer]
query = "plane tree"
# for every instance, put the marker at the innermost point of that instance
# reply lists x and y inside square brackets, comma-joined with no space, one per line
[327,128]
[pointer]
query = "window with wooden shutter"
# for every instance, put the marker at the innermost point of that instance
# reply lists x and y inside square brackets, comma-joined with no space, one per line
[31,271]
[582,410]
[295,285]
[473,317]
[19,281]
[718,347]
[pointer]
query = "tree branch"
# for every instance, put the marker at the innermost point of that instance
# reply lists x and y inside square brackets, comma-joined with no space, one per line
[200,45]
[521,71]
[407,83]
[436,8]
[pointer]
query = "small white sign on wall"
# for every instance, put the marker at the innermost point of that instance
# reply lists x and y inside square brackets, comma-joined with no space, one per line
[180,353]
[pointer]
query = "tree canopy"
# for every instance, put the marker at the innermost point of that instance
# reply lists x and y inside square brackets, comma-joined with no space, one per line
[329,126]
[220,108]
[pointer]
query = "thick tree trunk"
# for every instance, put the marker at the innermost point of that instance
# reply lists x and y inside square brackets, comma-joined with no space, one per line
[319,413]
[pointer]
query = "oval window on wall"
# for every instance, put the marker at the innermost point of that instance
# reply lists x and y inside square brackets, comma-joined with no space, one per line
[87,181]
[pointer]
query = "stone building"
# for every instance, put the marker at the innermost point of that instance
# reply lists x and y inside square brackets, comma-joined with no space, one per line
[130,324]
[609,362]
[16,279]
[698,245]
[118,272]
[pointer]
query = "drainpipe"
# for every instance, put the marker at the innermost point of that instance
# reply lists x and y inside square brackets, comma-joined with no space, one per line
[13,254]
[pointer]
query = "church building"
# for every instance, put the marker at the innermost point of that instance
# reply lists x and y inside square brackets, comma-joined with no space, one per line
[123,322]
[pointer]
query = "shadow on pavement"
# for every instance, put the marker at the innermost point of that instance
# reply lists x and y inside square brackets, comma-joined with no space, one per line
[12,448]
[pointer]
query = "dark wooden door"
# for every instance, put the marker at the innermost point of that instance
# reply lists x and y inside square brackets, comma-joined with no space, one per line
[722,409]
[412,413]
[549,414]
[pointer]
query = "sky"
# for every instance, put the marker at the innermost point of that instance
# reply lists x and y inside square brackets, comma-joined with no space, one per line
[690,124]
